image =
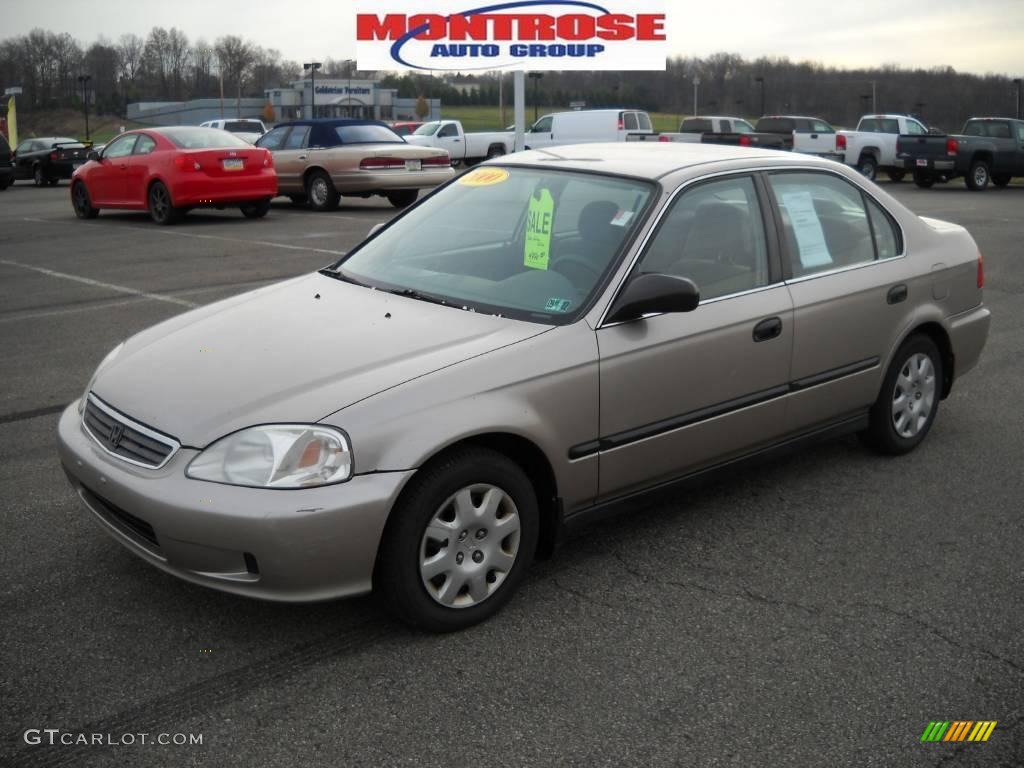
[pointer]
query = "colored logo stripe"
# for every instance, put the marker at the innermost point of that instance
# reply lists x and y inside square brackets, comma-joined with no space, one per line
[958,730]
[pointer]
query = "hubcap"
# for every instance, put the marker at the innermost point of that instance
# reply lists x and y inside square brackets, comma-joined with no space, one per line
[470,546]
[913,395]
[158,199]
[980,175]
[319,192]
[80,198]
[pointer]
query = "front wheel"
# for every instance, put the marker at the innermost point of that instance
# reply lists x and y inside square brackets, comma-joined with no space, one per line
[459,541]
[403,198]
[39,176]
[896,176]
[909,401]
[868,167]
[924,179]
[161,208]
[82,203]
[978,176]
[255,210]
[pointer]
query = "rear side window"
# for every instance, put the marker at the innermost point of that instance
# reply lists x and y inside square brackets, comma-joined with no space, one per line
[827,225]
[297,138]
[274,138]
[991,128]
[713,235]
[629,121]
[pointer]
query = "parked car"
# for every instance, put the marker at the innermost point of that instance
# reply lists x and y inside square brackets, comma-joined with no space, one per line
[320,160]
[990,149]
[872,147]
[6,164]
[246,128]
[48,160]
[715,124]
[469,148]
[728,131]
[404,128]
[531,346]
[587,126]
[170,171]
[807,135]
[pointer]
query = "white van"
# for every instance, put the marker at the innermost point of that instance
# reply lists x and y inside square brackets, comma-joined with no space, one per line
[587,127]
[246,128]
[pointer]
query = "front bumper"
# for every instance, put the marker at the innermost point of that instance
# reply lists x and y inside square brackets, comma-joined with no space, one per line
[296,546]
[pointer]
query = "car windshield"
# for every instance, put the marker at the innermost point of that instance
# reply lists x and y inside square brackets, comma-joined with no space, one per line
[367,134]
[203,138]
[427,129]
[533,244]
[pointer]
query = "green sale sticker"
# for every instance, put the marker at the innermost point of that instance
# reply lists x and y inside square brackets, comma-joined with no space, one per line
[539,219]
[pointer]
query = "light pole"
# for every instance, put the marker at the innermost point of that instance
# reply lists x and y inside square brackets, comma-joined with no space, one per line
[84,80]
[696,82]
[760,80]
[535,76]
[312,67]
[1017,83]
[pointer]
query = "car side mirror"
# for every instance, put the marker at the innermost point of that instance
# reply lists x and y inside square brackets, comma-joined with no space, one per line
[376,228]
[654,294]
[93,155]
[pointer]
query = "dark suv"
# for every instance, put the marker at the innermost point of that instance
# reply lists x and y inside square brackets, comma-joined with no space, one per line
[6,164]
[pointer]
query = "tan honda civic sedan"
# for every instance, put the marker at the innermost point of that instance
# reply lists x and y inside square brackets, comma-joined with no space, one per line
[537,342]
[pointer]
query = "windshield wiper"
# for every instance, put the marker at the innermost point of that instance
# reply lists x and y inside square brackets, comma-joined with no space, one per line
[337,274]
[412,293]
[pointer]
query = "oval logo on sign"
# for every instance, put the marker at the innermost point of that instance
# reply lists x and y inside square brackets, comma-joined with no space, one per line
[483,177]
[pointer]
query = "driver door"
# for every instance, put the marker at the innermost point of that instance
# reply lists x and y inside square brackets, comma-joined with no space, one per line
[680,392]
[108,181]
[541,133]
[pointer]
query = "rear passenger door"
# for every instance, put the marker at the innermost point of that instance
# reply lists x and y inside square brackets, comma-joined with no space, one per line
[682,391]
[850,288]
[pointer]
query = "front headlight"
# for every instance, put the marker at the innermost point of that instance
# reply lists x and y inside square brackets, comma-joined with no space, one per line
[276,456]
[103,363]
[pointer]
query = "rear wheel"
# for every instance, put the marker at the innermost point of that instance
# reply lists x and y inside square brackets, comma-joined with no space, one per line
[459,541]
[39,176]
[896,176]
[868,167]
[255,210]
[321,192]
[82,203]
[978,176]
[924,179]
[1001,179]
[906,407]
[161,208]
[403,198]
[496,151]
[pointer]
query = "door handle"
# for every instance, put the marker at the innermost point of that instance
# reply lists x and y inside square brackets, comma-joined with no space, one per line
[814,135]
[303,157]
[768,329]
[456,140]
[897,294]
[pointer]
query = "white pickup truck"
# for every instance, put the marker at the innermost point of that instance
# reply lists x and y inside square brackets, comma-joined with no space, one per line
[872,147]
[462,146]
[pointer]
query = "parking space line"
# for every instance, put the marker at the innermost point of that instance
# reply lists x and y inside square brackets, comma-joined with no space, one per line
[101,284]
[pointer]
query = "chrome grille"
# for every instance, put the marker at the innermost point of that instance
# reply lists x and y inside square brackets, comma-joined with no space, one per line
[125,438]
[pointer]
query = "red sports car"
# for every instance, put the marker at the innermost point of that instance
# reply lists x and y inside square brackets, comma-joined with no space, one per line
[169,171]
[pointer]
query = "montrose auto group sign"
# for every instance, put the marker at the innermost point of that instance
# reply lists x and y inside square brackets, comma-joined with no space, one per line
[522,34]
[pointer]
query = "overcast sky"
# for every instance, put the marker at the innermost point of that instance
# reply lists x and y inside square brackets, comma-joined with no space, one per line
[969,35]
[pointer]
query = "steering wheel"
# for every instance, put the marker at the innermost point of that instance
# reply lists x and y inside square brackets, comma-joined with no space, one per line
[576,264]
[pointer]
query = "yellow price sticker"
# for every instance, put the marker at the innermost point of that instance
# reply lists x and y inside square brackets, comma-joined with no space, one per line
[483,177]
[539,219]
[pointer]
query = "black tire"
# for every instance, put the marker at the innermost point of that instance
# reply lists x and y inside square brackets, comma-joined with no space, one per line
[1002,179]
[867,167]
[882,434]
[398,579]
[320,192]
[299,200]
[495,151]
[978,176]
[924,179]
[81,201]
[6,182]
[402,198]
[39,176]
[896,176]
[161,207]
[255,210]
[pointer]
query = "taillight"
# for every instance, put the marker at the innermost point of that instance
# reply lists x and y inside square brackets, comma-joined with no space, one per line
[664,138]
[981,270]
[952,147]
[840,141]
[186,163]
[268,159]
[437,160]
[622,125]
[53,155]
[744,141]
[378,163]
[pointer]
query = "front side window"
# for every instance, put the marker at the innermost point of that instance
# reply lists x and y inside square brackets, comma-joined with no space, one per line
[427,129]
[274,138]
[532,244]
[144,145]
[120,147]
[448,132]
[543,125]
[825,223]
[713,235]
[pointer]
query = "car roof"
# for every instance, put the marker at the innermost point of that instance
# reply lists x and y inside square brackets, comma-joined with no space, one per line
[791,117]
[651,159]
[333,122]
[714,117]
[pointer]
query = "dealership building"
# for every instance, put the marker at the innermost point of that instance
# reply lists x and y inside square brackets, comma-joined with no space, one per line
[344,98]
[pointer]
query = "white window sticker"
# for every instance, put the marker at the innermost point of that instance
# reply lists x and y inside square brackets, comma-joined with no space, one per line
[809,235]
[622,218]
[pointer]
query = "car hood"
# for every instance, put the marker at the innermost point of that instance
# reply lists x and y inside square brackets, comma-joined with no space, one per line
[294,352]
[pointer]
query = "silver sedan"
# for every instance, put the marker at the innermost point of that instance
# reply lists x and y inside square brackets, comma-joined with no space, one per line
[539,342]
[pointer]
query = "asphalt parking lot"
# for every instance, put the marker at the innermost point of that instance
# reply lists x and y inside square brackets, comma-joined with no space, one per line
[818,610]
